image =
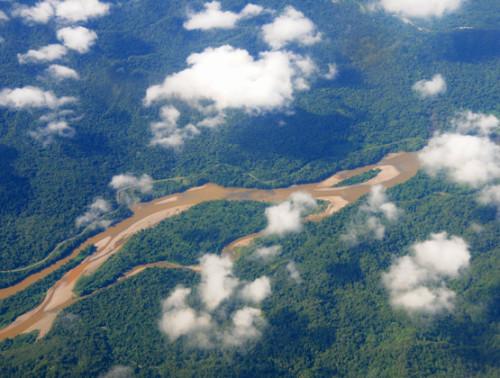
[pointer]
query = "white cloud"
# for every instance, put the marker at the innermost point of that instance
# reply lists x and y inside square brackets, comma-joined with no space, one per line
[214,17]
[367,218]
[332,72]
[430,88]
[257,290]
[166,133]
[3,16]
[31,97]
[40,13]
[97,209]
[66,11]
[467,122]
[420,8]
[417,282]
[208,328]
[290,26]
[77,38]
[52,129]
[58,72]
[223,78]
[232,78]
[144,183]
[442,255]
[217,281]
[47,53]
[81,10]
[294,272]
[465,159]
[490,196]
[267,253]
[287,216]
[246,327]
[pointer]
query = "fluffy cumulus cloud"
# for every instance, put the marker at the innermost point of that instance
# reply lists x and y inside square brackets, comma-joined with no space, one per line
[417,282]
[217,281]
[468,122]
[430,88]
[58,72]
[77,38]
[257,290]
[213,17]
[225,77]
[287,216]
[465,159]
[46,134]
[66,11]
[47,53]
[420,8]
[372,215]
[232,78]
[122,181]
[290,26]
[3,16]
[31,97]
[212,325]
[98,208]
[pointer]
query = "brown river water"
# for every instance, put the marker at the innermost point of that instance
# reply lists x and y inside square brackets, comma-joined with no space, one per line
[396,169]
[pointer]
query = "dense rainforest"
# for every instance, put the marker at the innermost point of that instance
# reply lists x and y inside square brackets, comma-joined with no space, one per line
[332,305]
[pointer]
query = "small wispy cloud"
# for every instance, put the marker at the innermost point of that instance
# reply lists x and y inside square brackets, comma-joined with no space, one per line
[417,282]
[98,208]
[267,253]
[3,16]
[293,272]
[58,72]
[287,216]
[46,134]
[209,327]
[430,88]
[372,216]
[128,180]
[290,26]
[214,17]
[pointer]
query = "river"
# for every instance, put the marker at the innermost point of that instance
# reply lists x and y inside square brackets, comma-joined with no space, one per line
[395,169]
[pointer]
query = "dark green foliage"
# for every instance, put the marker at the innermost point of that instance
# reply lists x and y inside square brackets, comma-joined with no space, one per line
[337,322]
[27,299]
[205,228]
[358,179]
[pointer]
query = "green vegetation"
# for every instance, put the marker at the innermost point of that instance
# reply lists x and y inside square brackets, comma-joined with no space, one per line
[337,322]
[358,179]
[205,228]
[27,299]
[354,120]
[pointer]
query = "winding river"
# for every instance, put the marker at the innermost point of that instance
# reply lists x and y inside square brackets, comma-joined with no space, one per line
[395,169]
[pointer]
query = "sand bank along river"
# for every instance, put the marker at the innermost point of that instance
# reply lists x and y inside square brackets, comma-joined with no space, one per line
[395,169]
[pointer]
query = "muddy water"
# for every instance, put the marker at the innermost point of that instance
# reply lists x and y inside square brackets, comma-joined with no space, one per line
[396,168]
